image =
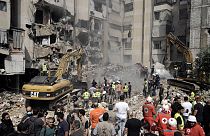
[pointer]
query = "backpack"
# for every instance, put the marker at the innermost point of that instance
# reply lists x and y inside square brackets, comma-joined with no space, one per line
[105,131]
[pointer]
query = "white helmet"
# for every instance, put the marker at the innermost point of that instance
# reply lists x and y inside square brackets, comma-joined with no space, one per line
[172,122]
[192,118]
[165,107]
[149,99]
[164,102]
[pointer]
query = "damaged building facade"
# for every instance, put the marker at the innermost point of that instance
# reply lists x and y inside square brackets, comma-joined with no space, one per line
[12,59]
[200,26]
[169,16]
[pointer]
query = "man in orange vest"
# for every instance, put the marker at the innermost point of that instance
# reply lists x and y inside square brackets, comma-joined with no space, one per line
[162,119]
[148,110]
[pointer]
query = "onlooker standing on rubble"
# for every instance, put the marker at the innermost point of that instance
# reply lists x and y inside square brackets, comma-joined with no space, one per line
[133,125]
[49,129]
[161,91]
[94,83]
[187,108]
[122,111]
[95,115]
[6,127]
[175,105]
[104,128]
[198,110]
[206,117]
[145,89]
[63,126]
[84,121]
[78,130]
[129,89]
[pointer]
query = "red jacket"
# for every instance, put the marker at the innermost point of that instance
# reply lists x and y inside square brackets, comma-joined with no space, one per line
[168,132]
[148,110]
[197,130]
[162,120]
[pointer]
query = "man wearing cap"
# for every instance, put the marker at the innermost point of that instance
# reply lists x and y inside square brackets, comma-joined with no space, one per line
[148,110]
[193,128]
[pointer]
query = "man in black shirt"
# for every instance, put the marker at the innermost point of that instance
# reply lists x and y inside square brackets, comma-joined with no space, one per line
[206,118]
[133,125]
[129,89]
[198,110]
[175,105]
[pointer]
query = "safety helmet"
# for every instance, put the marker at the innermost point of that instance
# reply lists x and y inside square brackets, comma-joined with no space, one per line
[149,99]
[172,122]
[165,108]
[192,118]
[164,102]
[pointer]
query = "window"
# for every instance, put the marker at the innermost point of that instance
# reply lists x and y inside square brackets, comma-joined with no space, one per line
[183,14]
[128,7]
[127,59]
[127,43]
[98,6]
[3,6]
[157,44]
[157,15]
[158,2]
[182,2]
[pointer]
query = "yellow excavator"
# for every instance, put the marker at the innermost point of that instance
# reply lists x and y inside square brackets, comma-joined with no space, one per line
[184,80]
[50,89]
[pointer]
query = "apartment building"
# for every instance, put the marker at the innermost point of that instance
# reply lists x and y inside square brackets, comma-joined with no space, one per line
[199,26]
[169,16]
[12,59]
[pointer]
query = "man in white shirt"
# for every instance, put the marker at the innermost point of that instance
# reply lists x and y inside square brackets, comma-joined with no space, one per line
[122,111]
[187,108]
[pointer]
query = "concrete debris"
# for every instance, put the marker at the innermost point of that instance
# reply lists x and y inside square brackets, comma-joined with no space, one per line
[14,104]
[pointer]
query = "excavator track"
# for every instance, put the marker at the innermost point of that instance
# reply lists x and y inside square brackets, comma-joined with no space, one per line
[184,85]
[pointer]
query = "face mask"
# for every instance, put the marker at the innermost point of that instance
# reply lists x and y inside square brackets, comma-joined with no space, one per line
[29,113]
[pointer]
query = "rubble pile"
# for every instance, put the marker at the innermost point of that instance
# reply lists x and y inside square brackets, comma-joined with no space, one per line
[14,104]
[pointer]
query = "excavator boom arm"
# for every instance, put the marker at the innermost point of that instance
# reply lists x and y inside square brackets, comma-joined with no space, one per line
[180,47]
[64,62]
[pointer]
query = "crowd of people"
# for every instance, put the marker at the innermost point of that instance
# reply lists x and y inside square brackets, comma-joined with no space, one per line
[103,111]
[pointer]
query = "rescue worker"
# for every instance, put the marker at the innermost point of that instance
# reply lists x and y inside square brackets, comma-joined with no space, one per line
[125,90]
[94,97]
[148,110]
[162,119]
[145,87]
[98,95]
[113,86]
[192,97]
[193,128]
[44,71]
[86,96]
[171,128]
[179,118]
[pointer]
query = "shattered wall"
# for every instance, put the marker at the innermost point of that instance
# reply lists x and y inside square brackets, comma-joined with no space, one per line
[48,26]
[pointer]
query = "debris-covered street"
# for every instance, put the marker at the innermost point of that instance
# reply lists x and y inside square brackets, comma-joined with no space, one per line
[104,68]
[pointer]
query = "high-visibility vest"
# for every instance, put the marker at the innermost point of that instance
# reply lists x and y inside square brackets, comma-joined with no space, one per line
[44,67]
[94,95]
[113,86]
[178,115]
[192,97]
[98,94]
[125,88]
[86,95]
